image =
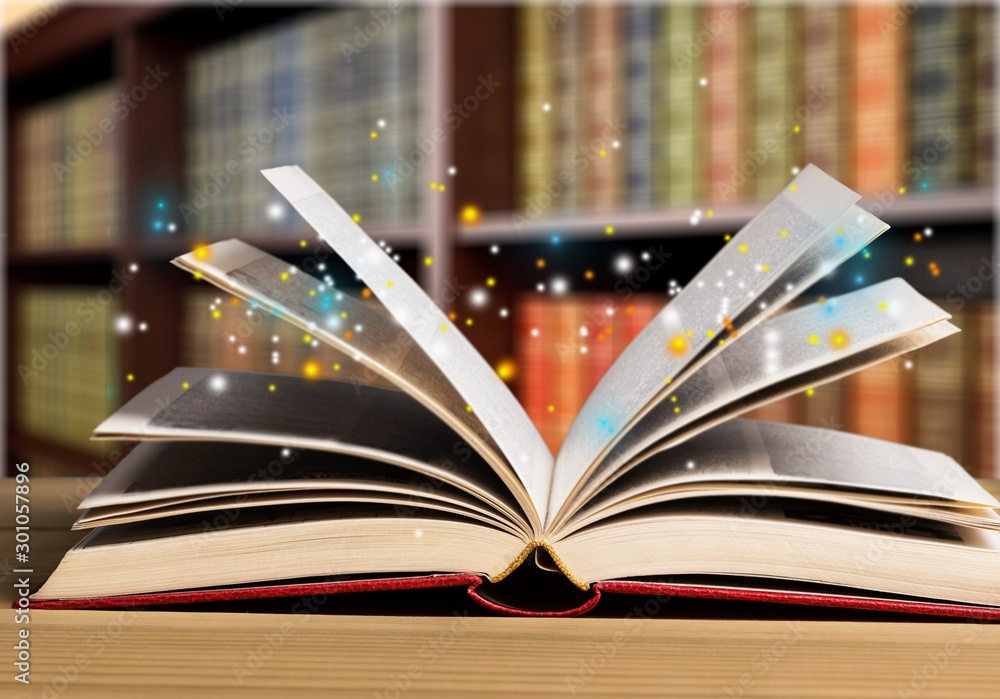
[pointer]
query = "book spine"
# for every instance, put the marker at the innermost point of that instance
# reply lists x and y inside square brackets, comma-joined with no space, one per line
[535,125]
[774,143]
[983,389]
[984,94]
[639,76]
[938,88]
[684,108]
[605,107]
[725,96]
[878,122]
[822,138]
[660,119]
[878,405]
[570,126]
[939,403]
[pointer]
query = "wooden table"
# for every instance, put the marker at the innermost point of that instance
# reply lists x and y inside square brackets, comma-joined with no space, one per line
[172,654]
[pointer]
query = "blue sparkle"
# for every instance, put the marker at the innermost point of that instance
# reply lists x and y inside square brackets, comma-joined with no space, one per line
[555,240]
[158,225]
[859,279]
[923,185]
[160,204]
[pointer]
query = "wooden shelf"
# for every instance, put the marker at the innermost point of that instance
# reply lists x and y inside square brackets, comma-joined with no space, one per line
[976,204]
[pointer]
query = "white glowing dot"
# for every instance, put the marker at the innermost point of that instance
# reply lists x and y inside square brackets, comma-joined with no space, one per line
[624,264]
[616,144]
[315,343]
[609,311]
[560,285]
[504,312]
[928,232]
[703,81]
[388,249]
[539,287]
[700,284]
[172,227]
[546,107]
[274,339]
[689,465]
[762,305]
[418,533]
[217,383]
[381,123]
[583,350]
[395,258]
[478,297]
[242,349]
[218,301]
[321,267]
[795,170]
[357,328]
[908,364]
[123,324]
[275,211]
[231,338]
[534,332]
[285,453]
[584,331]
[494,249]
[719,284]
[452,170]
[143,327]
[249,313]
[729,272]
[133,267]
[645,256]
[788,287]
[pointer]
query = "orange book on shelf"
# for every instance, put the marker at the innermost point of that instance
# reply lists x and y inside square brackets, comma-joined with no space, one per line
[878,404]
[879,82]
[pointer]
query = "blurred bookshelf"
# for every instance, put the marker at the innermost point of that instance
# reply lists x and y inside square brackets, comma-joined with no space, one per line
[698,90]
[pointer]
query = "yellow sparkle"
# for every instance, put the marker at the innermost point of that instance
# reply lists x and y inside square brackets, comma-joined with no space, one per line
[677,408]
[388,283]
[909,261]
[609,230]
[185,385]
[373,134]
[356,218]
[217,314]
[434,185]
[603,152]
[883,306]
[721,342]
[197,276]
[490,281]
[678,345]
[343,314]
[130,377]
[441,188]
[552,408]
[784,233]
[796,128]
[506,369]
[793,188]
[839,339]
[690,333]
[540,263]
[589,275]
[307,338]
[710,213]
[765,268]
[272,388]
[709,334]
[336,367]
[428,261]
[727,237]
[468,408]
[901,190]
[667,380]
[814,339]
[743,248]
[470,215]
[284,276]
[202,252]
[468,321]
[374,177]
[673,399]
[443,327]
[310,369]
[810,392]
[312,292]
[302,243]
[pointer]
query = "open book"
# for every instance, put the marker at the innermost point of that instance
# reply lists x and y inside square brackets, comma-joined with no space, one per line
[251,485]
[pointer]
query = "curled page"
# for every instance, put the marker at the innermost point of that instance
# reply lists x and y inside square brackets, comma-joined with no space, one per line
[474,379]
[765,249]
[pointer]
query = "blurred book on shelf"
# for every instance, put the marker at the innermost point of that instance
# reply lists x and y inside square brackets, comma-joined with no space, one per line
[723,102]
[60,206]
[288,93]
[940,398]
[67,364]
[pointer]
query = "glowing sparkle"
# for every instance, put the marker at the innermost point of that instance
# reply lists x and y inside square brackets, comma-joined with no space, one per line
[123,324]
[609,230]
[470,215]
[276,211]
[552,408]
[506,369]
[310,369]
[589,275]
[546,107]
[810,392]
[793,188]
[428,261]
[839,339]
[216,314]
[491,282]
[452,170]
[185,385]
[478,297]
[130,377]
[743,248]
[272,388]
[374,177]
[814,339]
[909,261]
[678,344]
[504,312]
[703,81]
[217,383]
[559,286]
